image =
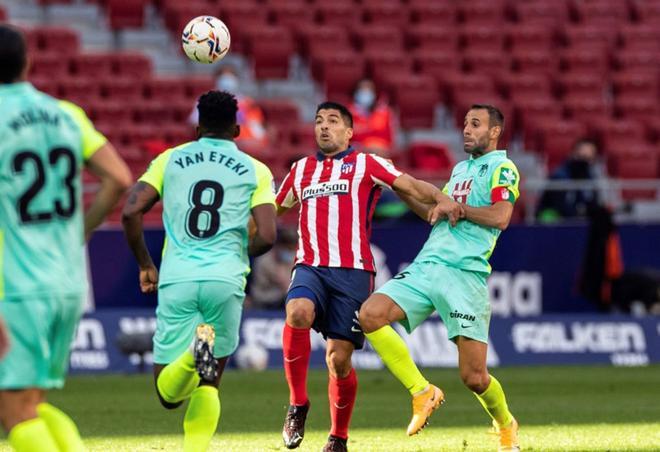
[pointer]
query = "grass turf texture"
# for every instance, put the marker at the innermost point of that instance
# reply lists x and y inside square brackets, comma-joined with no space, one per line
[559,408]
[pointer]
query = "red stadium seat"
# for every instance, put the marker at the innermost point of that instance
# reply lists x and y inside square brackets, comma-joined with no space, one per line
[609,133]
[132,64]
[637,60]
[639,166]
[49,65]
[3,14]
[92,64]
[79,90]
[378,37]
[377,12]
[473,84]
[271,49]
[415,97]
[603,12]
[639,36]
[591,84]
[652,130]
[530,36]
[546,13]
[176,134]
[438,14]
[646,11]
[431,156]
[313,39]
[109,111]
[595,35]
[581,60]
[635,83]
[486,62]
[436,62]
[532,112]
[556,140]
[522,84]
[46,85]
[303,136]
[381,64]
[339,73]
[291,13]
[121,88]
[486,38]
[431,37]
[634,107]
[534,62]
[585,107]
[279,111]
[196,86]
[481,12]
[165,88]
[339,13]
[178,14]
[243,14]
[58,40]
[125,13]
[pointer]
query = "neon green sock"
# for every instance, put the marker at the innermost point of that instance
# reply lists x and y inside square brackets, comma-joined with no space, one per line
[61,427]
[394,353]
[494,401]
[32,436]
[178,379]
[201,419]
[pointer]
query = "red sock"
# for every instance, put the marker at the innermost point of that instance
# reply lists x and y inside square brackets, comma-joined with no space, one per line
[297,347]
[341,393]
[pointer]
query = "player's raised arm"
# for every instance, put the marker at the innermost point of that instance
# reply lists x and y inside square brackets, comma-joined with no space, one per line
[141,198]
[115,178]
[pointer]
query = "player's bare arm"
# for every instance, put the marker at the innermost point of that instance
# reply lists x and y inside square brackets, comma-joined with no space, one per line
[497,215]
[4,338]
[425,193]
[265,232]
[141,199]
[115,178]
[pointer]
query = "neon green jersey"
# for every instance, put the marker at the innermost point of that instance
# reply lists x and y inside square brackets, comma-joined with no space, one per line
[43,143]
[208,189]
[476,182]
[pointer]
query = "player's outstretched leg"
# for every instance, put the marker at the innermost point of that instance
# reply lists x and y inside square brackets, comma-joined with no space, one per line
[375,317]
[296,348]
[61,427]
[342,392]
[489,392]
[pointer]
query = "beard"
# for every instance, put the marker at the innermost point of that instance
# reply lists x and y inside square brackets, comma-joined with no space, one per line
[476,148]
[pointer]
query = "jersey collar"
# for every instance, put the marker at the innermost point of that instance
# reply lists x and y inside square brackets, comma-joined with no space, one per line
[218,142]
[488,156]
[321,156]
[18,87]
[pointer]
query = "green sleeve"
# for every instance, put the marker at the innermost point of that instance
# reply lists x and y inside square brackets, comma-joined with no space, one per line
[155,173]
[265,191]
[92,139]
[506,176]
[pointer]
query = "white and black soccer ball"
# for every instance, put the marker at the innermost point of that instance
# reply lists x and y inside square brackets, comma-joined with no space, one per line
[251,357]
[205,39]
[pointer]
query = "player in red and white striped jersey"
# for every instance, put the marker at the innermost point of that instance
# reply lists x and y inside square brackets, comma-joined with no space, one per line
[337,189]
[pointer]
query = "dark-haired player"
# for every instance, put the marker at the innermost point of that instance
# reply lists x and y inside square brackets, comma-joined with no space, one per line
[449,276]
[44,144]
[337,189]
[209,189]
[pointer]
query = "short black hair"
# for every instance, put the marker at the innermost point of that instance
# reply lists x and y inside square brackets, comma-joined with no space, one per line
[217,111]
[343,111]
[495,116]
[13,54]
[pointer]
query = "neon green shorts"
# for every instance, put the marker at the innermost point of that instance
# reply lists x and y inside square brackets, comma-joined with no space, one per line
[183,306]
[41,332]
[459,296]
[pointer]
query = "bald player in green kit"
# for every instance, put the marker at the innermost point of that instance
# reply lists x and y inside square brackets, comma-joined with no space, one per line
[449,276]
[44,144]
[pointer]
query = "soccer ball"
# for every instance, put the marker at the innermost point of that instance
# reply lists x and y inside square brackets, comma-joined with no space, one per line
[251,357]
[205,39]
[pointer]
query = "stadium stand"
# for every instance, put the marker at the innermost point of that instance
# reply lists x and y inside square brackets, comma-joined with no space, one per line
[560,69]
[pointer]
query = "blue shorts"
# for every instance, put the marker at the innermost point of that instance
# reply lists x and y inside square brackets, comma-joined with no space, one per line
[338,294]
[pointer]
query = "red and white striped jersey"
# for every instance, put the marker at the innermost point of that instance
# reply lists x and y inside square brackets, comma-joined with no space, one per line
[337,197]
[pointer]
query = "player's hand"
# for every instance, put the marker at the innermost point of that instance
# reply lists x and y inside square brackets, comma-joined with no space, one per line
[450,210]
[4,338]
[148,279]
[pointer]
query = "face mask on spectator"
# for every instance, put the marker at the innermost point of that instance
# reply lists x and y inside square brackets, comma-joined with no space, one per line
[227,82]
[365,97]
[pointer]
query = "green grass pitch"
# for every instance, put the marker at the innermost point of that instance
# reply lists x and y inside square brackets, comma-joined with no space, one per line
[559,408]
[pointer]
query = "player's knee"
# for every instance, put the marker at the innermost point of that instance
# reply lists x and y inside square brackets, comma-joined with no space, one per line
[300,313]
[339,364]
[475,380]
[372,317]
